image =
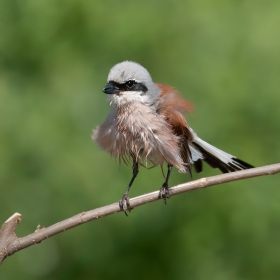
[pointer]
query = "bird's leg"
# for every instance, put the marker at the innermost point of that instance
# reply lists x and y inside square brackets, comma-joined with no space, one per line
[124,202]
[164,190]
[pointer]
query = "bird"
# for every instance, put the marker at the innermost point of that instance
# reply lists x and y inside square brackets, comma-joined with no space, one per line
[146,127]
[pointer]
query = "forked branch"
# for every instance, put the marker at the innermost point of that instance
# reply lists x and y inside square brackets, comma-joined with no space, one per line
[10,243]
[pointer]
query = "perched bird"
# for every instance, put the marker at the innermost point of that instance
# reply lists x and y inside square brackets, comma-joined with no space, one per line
[146,127]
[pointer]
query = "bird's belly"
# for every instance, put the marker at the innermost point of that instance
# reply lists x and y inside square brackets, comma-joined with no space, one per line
[141,135]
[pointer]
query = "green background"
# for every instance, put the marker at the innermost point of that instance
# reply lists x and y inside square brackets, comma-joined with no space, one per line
[223,56]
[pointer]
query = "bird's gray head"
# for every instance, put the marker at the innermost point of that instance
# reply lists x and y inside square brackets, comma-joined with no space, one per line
[130,82]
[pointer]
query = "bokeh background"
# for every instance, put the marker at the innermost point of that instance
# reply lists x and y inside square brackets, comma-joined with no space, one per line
[224,56]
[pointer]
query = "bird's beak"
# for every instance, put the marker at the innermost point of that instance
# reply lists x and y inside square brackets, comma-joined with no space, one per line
[111,89]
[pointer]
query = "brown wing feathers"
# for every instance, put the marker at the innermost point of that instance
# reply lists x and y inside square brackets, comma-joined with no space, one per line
[173,106]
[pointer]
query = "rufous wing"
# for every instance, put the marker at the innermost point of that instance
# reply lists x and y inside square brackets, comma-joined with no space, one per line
[173,106]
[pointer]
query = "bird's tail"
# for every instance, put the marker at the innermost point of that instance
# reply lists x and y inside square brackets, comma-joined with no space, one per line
[216,158]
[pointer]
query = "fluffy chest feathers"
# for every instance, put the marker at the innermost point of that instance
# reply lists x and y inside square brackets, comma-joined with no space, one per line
[139,132]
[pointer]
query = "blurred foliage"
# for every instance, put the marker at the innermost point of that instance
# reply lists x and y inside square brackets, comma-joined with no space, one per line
[55,56]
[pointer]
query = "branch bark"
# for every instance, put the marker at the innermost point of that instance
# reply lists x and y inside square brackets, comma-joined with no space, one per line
[10,243]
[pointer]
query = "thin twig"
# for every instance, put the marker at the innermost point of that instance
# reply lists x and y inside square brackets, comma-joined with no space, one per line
[10,243]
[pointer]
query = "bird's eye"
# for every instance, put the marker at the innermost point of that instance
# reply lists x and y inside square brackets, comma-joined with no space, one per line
[130,83]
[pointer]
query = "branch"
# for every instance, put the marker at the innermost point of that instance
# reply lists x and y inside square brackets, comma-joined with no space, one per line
[10,243]
[7,235]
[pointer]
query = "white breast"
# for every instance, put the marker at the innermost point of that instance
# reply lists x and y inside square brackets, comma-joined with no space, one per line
[137,131]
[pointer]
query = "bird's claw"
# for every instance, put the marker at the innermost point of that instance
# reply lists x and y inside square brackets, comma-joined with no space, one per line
[164,192]
[124,204]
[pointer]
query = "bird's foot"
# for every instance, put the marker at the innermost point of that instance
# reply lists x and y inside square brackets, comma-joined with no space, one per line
[164,192]
[125,204]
